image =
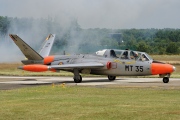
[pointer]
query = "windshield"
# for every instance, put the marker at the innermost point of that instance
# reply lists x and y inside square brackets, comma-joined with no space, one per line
[148,56]
[118,53]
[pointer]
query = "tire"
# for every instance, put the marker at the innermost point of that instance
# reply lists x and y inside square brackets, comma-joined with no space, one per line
[165,79]
[111,78]
[78,80]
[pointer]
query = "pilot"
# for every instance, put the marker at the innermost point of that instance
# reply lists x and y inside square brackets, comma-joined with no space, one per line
[135,55]
[113,54]
[125,54]
[144,58]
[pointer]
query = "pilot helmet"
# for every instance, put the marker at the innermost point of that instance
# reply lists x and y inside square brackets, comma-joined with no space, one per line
[135,54]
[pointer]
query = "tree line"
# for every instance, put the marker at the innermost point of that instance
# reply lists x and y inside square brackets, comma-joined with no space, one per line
[71,37]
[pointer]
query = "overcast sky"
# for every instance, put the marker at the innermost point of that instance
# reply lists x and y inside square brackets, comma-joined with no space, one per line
[115,14]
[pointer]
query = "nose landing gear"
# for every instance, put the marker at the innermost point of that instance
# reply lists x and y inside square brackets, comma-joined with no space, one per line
[166,79]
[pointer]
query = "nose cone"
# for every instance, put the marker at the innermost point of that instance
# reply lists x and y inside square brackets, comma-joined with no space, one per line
[159,68]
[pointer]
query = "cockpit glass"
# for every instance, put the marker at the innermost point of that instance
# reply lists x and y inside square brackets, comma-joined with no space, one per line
[118,53]
[134,55]
[144,57]
[149,57]
[125,55]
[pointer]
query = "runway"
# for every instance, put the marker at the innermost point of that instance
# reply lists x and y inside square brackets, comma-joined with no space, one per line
[12,82]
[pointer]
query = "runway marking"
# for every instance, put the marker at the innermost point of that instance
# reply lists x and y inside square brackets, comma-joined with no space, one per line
[25,82]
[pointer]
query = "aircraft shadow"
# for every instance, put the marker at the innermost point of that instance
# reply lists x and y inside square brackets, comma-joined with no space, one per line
[29,80]
[146,82]
[89,81]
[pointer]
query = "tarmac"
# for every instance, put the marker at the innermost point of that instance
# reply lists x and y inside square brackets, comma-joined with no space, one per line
[12,82]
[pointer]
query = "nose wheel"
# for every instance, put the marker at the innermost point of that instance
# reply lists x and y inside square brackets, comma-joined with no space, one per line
[166,79]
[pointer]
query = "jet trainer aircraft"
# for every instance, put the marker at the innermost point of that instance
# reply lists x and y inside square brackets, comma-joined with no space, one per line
[110,62]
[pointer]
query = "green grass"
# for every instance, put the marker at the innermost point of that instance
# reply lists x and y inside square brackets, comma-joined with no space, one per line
[90,103]
[166,57]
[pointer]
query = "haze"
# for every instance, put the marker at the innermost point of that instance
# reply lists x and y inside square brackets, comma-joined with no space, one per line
[113,14]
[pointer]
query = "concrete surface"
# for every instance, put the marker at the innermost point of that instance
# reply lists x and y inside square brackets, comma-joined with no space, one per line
[11,82]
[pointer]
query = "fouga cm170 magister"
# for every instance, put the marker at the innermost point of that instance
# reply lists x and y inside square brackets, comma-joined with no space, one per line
[110,62]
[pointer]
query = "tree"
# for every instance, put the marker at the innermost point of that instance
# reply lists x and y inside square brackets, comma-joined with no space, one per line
[172,48]
[4,25]
[142,46]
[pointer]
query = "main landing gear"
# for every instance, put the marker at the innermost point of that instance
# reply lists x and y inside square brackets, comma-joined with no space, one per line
[78,79]
[77,76]
[111,78]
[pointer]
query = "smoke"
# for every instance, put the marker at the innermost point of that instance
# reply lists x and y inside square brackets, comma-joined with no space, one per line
[111,14]
[8,52]
[34,32]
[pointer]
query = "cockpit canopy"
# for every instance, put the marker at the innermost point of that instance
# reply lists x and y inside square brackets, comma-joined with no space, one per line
[124,54]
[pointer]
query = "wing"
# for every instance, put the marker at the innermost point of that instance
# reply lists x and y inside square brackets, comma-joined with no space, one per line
[78,65]
[42,68]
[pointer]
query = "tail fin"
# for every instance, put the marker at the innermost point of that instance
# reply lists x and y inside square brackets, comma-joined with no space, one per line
[30,53]
[45,50]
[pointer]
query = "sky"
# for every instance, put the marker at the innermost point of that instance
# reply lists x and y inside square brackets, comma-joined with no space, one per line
[111,14]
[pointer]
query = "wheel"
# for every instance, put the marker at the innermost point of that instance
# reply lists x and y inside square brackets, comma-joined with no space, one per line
[165,79]
[78,79]
[111,78]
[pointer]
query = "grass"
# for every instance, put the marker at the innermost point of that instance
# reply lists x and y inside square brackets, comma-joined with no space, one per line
[166,57]
[87,103]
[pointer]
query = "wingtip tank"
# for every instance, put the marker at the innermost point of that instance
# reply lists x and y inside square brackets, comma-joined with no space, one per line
[35,68]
